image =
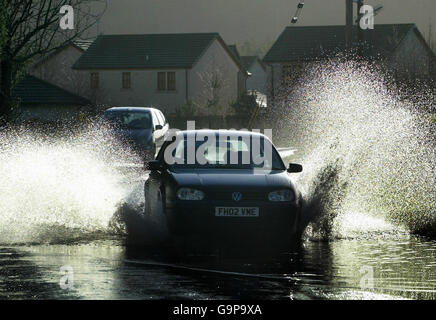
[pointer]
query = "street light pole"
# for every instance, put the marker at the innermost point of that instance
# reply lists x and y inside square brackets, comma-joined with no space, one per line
[360,34]
[349,23]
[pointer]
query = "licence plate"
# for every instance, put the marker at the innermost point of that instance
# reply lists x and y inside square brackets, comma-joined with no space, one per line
[249,212]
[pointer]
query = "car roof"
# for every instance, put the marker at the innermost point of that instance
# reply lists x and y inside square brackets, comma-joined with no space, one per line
[144,109]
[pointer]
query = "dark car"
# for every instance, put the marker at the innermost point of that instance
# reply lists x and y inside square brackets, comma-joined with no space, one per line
[144,129]
[228,196]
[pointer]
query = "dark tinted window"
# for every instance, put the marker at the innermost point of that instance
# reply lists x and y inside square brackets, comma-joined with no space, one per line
[126,80]
[171,81]
[129,119]
[161,81]
[95,80]
[232,153]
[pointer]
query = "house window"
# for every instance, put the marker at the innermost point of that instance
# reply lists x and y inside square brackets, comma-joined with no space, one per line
[95,79]
[126,80]
[161,81]
[171,81]
[166,81]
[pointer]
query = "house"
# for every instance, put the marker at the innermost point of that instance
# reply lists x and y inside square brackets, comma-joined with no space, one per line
[43,101]
[165,71]
[234,50]
[243,73]
[255,68]
[257,81]
[400,47]
[56,68]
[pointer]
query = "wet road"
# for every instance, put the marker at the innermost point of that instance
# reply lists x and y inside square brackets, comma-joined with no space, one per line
[371,261]
[401,266]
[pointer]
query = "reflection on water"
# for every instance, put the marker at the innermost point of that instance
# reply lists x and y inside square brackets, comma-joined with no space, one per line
[402,266]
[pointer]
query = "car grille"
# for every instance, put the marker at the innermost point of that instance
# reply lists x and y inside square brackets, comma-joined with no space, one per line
[246,196]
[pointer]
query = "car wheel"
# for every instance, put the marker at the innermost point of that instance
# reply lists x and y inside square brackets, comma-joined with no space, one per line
[296,234]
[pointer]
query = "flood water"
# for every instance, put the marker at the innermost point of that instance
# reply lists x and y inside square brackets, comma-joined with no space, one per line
[372,260]
[368,181]
[404,267]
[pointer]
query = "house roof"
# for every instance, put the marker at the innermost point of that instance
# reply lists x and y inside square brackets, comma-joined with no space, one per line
[79,44]
[83,44]
[236,56]
[31,90]
[247,61]
[315,42]
[178,50]
[234,51]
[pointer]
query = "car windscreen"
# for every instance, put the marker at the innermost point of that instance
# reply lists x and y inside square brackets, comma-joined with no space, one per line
[129,119]
[223,153]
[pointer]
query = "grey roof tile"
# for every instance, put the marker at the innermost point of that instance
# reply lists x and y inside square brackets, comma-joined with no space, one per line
[315,42]
[179,50]
[31,90]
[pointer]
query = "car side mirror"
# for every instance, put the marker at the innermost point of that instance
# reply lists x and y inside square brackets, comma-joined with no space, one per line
[295,168]
[153,165]
[158,127]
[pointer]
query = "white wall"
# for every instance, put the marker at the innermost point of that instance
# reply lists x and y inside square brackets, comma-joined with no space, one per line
[258,78]
[215,61]
[143,91]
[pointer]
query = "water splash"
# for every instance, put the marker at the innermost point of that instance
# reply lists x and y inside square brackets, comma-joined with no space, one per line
[59,189]
[369,161]
[368,154]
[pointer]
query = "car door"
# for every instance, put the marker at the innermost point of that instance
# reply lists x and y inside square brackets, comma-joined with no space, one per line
[166,125]
[156,188]
[152,193]
[158,133]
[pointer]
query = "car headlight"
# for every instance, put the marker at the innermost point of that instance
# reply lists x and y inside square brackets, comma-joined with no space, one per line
[190,194]
[281,195]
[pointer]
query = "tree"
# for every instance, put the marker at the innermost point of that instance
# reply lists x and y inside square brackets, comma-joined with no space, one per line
[213,83]
[246,104]
[212,94]
[2,26]
[31,29]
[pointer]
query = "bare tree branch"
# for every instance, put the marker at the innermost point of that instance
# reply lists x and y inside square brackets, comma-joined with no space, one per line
[31,28]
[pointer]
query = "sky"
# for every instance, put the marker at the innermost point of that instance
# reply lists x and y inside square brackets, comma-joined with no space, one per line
[254,21]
